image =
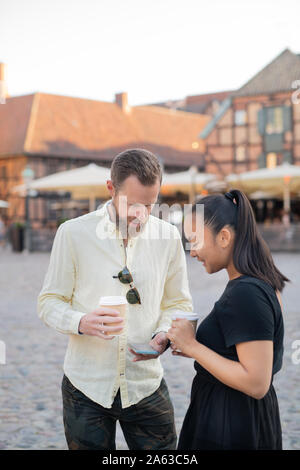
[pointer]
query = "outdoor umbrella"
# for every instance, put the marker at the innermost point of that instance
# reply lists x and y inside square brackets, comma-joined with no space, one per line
[188,182]
[283,179]
[257,195]
[87,182]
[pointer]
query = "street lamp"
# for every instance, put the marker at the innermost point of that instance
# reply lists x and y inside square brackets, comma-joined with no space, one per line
[28,176]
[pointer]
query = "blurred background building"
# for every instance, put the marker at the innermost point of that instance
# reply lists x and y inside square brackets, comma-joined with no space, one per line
[222,133]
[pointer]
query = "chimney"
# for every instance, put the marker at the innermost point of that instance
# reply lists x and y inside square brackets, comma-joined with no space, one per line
[3,87]
[122,102]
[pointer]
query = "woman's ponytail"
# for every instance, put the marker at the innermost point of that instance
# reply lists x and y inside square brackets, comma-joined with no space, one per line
[251,254]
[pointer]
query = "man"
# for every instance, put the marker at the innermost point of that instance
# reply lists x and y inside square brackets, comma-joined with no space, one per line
[104,379]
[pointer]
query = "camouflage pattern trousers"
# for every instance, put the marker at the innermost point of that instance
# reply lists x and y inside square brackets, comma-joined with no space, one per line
[148,425]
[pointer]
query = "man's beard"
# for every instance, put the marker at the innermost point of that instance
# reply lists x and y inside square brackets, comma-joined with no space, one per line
[127,228]
[124,225]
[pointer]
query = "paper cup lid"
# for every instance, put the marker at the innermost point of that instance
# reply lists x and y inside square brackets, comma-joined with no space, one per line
[188,315]
[113,300]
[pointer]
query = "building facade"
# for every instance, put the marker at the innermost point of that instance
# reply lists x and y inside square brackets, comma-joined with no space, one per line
[258,125]
[52,133]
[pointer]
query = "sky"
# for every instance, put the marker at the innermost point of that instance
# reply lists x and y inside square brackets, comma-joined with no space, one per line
[155,50]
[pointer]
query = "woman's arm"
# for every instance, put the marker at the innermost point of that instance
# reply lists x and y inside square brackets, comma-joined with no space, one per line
[250,375]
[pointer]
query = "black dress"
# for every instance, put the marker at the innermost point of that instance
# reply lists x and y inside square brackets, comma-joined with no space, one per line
[220,417]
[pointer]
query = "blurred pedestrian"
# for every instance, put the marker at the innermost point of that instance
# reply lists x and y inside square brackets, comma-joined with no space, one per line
[2,233]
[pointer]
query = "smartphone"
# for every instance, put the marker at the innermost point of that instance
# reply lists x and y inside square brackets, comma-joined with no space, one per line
[143,348]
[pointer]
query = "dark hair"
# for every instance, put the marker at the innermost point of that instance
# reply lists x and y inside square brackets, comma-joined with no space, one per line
[251,254]
[139,162]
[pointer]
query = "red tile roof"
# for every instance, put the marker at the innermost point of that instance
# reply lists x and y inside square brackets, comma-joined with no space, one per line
[64,126]
[195,103]
[14,118]
[208,97]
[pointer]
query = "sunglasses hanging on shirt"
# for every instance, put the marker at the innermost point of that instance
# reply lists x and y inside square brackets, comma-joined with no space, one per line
[132,296]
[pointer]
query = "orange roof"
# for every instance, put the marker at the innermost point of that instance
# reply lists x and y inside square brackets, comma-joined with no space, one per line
[14,117]
[44,124]
[162,126]
[194,103]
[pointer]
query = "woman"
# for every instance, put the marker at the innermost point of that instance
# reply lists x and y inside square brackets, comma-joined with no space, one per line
[239,346]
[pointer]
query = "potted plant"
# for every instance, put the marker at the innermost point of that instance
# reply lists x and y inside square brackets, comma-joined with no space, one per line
[17,232]
[61,220]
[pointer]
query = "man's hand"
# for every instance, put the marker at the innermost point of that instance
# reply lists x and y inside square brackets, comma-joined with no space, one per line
[93,323]
[159,343]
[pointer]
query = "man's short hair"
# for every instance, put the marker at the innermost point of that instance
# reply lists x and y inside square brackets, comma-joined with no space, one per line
[138,162]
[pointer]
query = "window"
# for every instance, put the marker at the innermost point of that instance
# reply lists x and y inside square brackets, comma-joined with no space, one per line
[271,160]
[240,153]
[240,117]
[273,143]
[274,121]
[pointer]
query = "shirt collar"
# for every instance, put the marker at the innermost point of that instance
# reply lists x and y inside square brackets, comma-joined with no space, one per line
[107,223]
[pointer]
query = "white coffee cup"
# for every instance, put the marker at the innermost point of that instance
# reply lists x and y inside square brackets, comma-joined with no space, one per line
[193,317]
[115,302]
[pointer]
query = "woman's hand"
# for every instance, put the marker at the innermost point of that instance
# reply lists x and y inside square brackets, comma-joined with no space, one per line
[182,335]
[177,353]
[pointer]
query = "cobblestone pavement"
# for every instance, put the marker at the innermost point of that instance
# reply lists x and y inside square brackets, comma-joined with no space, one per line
[30,400]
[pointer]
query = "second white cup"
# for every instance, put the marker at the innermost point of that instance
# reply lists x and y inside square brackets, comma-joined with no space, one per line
[193,317]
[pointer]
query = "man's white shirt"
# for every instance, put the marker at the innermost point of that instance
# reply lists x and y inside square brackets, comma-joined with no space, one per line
[87,252]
